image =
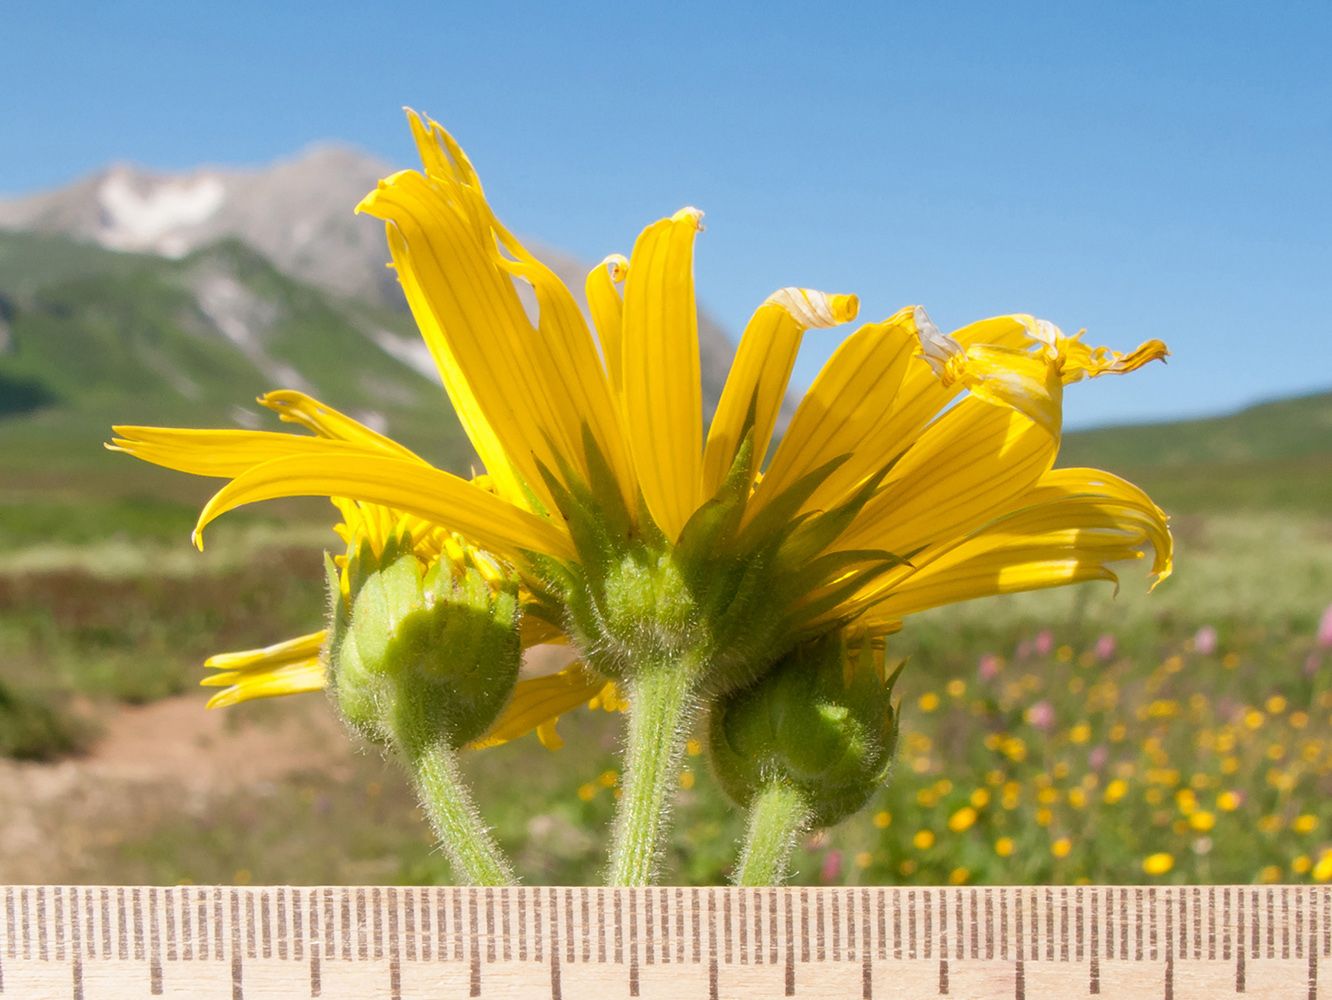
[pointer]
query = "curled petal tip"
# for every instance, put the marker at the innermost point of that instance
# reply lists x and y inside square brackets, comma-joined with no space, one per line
[364,204]
[1046,332]
[618,264]
[945,356]
[1151,350]
[815,310]
[689,212]
[925,328]
[845,307]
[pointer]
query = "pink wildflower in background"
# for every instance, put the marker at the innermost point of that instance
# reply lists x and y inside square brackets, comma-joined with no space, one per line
[1325,629]
[1204,640]
[832,867]
[988,668]
[1044,642]
[1041,716]
[1097,758]
[1105,647]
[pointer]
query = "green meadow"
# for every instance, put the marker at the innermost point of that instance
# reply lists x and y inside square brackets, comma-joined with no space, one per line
[1183,735]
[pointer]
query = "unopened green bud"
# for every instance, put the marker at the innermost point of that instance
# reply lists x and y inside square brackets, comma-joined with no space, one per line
[421,655]
[821,721]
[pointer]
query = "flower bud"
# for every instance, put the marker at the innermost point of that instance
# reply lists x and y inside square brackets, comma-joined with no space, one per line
[821,720]
[421,654]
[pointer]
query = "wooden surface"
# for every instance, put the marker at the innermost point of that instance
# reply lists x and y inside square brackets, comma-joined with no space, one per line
[1140,942]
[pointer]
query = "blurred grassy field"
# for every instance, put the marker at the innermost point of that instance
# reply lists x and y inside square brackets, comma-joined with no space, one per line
[1053,737]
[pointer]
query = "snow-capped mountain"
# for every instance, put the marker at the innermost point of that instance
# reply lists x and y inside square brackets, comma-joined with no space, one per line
[297,212]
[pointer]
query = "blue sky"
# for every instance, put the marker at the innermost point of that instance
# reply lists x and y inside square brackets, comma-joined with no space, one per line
[1142,170]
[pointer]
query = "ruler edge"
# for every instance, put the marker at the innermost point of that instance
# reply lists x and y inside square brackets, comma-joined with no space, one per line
[387,908]
[1051,905]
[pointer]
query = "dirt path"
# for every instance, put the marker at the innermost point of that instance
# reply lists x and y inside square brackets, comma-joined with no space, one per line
[171,755]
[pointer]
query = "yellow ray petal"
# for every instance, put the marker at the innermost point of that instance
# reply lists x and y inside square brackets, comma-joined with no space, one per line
[1076,360]
[966,469]
[462,300]
[1060,530]
[872,400]
[224,453]
[1024,381]
[300,648]
[534,631]
[541,700]
[531,392]
[507,473]
[297,407]
[1063,541]
[290,667]
[663,403]
[1103,361]
[842,413]
[293,678]
[761,371]
[1060,492]
[607,308]
[874,625]
[922,394]
[565,352]
[376,524]
[482,518]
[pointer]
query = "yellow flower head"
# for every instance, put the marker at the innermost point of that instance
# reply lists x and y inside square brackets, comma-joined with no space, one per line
[634,533]
[1158,864]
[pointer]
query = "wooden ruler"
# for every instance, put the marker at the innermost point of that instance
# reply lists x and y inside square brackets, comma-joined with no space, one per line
[363,942]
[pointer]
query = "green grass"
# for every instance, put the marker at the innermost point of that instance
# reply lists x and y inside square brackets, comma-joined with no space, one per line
[1189,735]
[70,628]
[1275,456]
[36,726]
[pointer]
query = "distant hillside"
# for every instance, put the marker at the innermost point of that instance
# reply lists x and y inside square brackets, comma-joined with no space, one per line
[89,337]
[1276,454]
[1283,429]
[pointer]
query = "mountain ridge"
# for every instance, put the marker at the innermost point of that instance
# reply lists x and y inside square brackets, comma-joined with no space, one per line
[1293,427]
[297,212]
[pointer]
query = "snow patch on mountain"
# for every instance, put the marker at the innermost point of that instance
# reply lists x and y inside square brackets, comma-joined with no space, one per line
[412,352]
[241,317]
[156,220]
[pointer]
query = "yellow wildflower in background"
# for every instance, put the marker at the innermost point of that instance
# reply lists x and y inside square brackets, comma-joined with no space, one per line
[1158,864]
[1322,871]
[962,820]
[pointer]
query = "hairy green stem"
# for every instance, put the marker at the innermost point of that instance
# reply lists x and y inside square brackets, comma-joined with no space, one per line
[476,858]
[777,816]
[659,703]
